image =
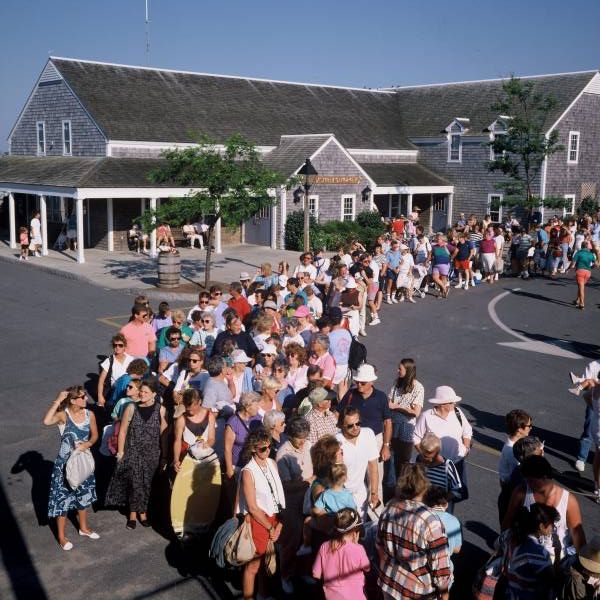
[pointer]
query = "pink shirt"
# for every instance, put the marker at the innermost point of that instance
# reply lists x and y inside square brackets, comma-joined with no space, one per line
[327,363]
[138,338]
[342,571]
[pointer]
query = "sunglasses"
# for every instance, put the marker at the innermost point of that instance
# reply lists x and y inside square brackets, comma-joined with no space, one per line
[206,321]
[203,302]
[144,315]
[263,448]
[131,387]
[352,425]
[174,339]
[119,345]
[195,360]
[80,397]
[217,293]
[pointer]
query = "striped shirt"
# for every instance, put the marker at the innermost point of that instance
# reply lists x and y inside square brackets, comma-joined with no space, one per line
[527,572]
[415,557]
[444,475]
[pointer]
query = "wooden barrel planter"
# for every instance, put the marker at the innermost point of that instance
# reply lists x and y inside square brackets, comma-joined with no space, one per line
[169,269]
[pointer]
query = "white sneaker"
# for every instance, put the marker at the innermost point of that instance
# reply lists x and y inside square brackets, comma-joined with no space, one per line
[467,286]
[401,299]
[37,254]
[422,294]
[362,333]
[304,550]
[411,300]
[375,321]
[496,276]
[394,300]
[574,378]
[575,391]
[426,288]
[580,465]
[92,535]
[459,285]
[388,300]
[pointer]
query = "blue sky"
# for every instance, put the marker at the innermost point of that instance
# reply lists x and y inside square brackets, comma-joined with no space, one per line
[344,42]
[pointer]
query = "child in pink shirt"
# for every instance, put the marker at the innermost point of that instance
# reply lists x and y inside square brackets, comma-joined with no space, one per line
[342,562]
[24,241]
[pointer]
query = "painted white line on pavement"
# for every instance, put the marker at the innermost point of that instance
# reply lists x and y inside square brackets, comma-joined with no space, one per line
[526,343]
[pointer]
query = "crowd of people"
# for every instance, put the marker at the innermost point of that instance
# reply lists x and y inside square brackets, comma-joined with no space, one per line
[352,483]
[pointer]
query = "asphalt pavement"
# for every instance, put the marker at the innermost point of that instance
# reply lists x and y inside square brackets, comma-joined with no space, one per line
[514,352]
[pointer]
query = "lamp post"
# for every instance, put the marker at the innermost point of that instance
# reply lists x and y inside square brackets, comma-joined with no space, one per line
[308,171]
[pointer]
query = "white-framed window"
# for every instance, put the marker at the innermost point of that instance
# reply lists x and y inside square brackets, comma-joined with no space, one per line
[454,147]
[497,129]
[66,138]
[494,207]
[395,207]
[569,209]
[348,201]
[313,206]
[573,149]
[40,128]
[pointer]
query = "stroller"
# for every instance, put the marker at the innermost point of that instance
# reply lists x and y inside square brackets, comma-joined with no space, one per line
[61,240]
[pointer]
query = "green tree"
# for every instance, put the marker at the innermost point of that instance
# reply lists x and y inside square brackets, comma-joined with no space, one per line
[230,185]
[519,153]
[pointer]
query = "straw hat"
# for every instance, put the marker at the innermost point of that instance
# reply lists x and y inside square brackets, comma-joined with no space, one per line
[589,555]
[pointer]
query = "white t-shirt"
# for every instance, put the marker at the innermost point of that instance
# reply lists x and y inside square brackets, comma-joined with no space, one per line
[376,270]
[507,461]
[36,229]
[316,306]
[449,430]
[118,368]
[499,239]
[356,458]
[306,269]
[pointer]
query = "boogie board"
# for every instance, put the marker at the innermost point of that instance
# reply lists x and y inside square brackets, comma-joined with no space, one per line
[195,495]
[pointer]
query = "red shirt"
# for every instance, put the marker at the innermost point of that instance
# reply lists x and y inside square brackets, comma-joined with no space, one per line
[398,225]
[241,306]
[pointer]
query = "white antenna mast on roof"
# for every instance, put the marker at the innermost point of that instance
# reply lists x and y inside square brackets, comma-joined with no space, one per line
[147,33]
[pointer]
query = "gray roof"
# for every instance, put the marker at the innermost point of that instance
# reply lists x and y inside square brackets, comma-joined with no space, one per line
[292,152]
[74,172]
[134,103]
[403,174]
[427,110]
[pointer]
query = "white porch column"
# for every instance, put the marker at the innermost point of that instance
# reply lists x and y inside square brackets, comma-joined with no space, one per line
[11,220]
[80,238]
[110,224]
[44,219]
[408,204]
[218,249]
[153,252]
[283,203]
[449,209]
[431,213]
[273,211]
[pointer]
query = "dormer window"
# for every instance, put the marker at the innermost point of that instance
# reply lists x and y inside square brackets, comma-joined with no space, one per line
[497,128]
[455,131]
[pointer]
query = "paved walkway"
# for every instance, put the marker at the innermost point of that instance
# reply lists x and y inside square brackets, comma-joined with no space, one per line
[134,273]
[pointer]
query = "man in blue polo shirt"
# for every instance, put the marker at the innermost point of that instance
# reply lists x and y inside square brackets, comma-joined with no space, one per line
[393,257]
[374,410]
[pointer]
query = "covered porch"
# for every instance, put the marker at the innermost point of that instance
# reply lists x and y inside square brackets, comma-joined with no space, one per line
[403,188]
[105,194]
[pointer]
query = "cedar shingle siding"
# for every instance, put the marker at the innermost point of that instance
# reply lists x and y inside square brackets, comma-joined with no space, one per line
[54,102]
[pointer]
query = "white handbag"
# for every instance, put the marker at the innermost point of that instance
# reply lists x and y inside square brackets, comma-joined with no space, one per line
[79,467]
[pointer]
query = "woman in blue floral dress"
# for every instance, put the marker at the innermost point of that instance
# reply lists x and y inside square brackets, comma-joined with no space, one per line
[78,429]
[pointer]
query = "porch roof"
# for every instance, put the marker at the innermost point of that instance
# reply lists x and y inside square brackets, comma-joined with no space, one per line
[404,175]
[79,172]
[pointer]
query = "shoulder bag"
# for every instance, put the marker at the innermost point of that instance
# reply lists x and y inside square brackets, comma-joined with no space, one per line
[80,466]
[240,547]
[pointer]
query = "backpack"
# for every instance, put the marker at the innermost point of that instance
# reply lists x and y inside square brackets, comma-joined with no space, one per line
[357,355]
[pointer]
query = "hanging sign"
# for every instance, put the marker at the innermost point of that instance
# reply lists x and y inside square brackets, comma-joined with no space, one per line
[334,179]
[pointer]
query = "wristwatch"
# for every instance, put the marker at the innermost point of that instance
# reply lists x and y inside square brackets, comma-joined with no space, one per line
[386,443]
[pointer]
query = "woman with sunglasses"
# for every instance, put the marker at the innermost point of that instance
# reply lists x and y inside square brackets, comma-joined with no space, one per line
[206,336]
[78,430]
[261,500]
[113,367]
[141,437]
[180,323]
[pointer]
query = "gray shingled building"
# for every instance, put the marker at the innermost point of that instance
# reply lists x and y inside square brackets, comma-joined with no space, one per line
[90,132]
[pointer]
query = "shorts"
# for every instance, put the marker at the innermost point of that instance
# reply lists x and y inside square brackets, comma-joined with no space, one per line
[462,265]
[372,291]
[260,535]
[341,373]
[391,274]
[71,234]
[24,247]
[442,270]
[582,275]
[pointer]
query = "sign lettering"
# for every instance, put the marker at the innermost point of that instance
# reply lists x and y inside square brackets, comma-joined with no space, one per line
[334,179]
